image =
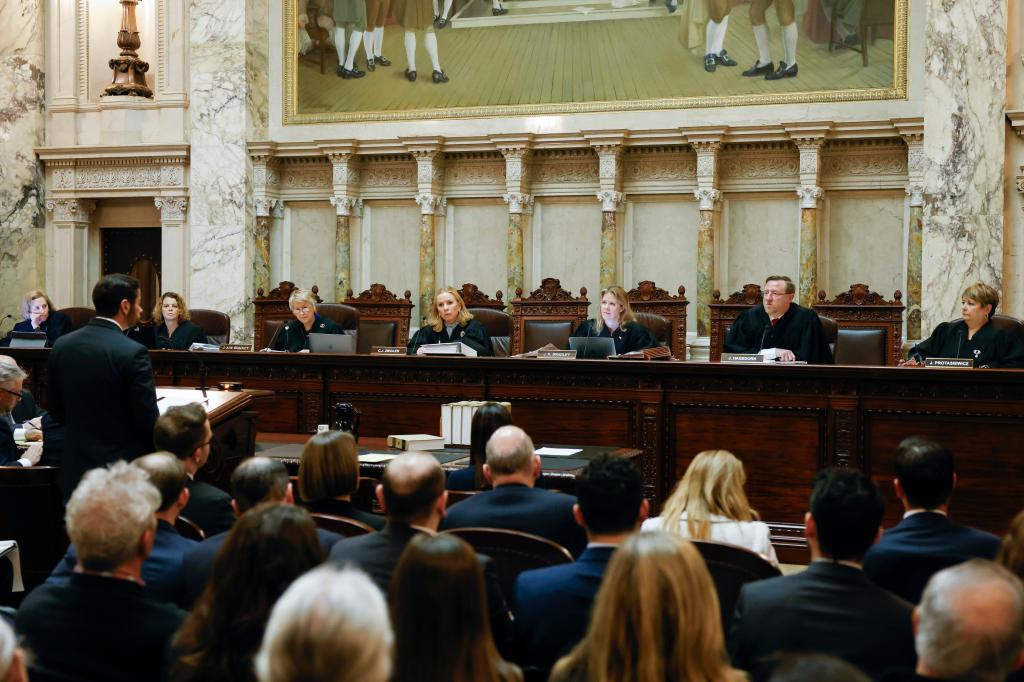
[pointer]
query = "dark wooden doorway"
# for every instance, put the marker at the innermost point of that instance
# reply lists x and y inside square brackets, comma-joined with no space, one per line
[134,251]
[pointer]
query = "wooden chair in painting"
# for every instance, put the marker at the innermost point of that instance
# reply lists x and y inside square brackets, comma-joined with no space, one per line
[548,315]
[874,14]
[383,317]
[662,313]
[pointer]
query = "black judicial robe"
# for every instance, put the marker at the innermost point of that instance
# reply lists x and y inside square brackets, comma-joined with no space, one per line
[56,325]
[634,337]
[473,334]
[184,336]
[990,347]
[293,337]
[799,330]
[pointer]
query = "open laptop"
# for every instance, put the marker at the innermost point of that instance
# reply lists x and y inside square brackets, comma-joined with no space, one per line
[28,339]
[344,344]
[592,347]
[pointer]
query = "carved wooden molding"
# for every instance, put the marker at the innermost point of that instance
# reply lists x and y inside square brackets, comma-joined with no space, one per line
[474,298]
[550,289]
[548,302]
[648,297]
[379,303]
[377,293]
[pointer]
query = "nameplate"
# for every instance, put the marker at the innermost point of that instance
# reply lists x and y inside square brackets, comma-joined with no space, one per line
[387,350]
[742,357]
[239,347]
[946,363]
[556,354]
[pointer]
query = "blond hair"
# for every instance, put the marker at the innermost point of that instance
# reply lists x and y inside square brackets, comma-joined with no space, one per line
[984,295]
[158,312]
[26,302]
[712,484]
[434,320]
[655,618]
[620,297]
[304,296]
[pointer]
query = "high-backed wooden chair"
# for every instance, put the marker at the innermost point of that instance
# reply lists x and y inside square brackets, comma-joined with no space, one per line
[725,312]
[215,324]
[873,15]
[548,315]
[513,552]
[342,525]
[474,298]
[79,316]
[491,314]
[383,317]
[345,316]
[648,298]
[1011,324]
[271,311]
[861,308]
[732,567]
[860,347]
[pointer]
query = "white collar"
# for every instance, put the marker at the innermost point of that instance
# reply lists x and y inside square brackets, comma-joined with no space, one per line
[110,319]
[911,512]
[843,562]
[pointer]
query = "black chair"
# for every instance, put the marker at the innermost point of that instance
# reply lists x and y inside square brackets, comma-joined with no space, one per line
[215,324]
[513,552]
[732,567]
[539,333]
[189,529]
[375,333]
[660,326]
[860,347]
[456,496]
[499,327]
[345,316]
[341,525]
[831,330]
[79,317]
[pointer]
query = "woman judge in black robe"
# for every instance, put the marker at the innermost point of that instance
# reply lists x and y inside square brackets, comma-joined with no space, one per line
[293,336]
[974,336]
[618,322]
[175,331]
[449,321]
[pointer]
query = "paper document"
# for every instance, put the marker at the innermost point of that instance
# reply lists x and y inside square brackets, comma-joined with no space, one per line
[375,457]
[558,452]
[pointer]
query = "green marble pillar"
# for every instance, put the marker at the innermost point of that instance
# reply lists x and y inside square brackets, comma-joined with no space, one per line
[427,284]
[261,254]
[342,257]
[808,256]
[914,258]
[514,254]
[705,270]
[609,272]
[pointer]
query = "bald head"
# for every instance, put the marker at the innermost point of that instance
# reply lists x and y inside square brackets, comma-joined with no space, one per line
[510,451]
[411,485]
[970,622]
[8,360]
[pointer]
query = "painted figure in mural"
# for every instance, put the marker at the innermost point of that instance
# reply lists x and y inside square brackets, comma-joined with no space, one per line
[413,16]
[714,36]
[373,40]
[849,18]
[350,19]
[315,16]
[786,13]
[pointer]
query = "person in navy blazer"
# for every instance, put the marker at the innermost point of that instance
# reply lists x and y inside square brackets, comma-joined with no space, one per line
[100,385]
[552,605]
[515,504]
[40,316]
[926,540]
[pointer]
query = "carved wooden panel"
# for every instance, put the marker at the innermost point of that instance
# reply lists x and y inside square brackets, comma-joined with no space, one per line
[378,303]
[549,302]
[861,308]
[474,298]
[647,297]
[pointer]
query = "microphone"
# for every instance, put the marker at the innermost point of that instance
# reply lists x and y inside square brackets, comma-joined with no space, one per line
[586,344]
[202,372]
[767,328]
[959,340]
[915,354]
[6,317]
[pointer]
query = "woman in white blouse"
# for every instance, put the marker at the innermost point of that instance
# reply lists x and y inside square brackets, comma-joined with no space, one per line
[709,504]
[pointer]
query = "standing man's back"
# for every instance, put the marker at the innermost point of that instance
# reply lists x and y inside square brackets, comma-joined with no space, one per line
[100,385]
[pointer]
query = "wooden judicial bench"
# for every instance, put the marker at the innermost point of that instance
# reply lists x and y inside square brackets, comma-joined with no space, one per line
[784,422]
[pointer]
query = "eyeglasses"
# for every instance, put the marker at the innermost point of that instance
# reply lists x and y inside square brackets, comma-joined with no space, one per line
[17,394]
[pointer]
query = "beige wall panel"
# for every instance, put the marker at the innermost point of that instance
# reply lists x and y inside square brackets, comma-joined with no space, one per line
[312,246]
[570,247]
[393,236]
[478,251]
[763,239]
[865,243]
[665,248]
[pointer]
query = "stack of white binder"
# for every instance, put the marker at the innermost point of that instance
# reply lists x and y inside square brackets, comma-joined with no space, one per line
[457,420]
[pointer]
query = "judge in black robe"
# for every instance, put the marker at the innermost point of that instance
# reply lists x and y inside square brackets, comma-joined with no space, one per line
[293,336]
[183,336]
[448,322]
[797,329]
[618,323]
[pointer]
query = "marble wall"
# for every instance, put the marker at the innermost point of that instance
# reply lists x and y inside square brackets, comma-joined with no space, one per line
[661,245]
[475,234]
[312,242]
[22,237]
[566,244]
[864,242]
[391,247]
[760,237]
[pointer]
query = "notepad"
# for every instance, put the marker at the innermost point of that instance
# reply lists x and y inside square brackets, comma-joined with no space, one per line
[376,457]
[558,452]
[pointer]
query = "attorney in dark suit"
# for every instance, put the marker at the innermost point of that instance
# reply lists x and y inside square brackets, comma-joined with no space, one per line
[100,385]
[831,607]
[11,380]
[329,477]
[175,331]
[184,431]
[40,316]
[514,503]
[793,331]
[926,540]
[256,481]
[552,605]
[102,625]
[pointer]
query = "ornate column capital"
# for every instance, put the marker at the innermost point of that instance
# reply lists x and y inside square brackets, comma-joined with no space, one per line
[71,210]
[346,205]
[344,171]
[609,166]
[428,170]
[172,209]
[708,198]
[431,204]
[518,202]
[810,158]
[707,162]
[916,193]
[610,200]
[517,169]
[809,195]
[264,205]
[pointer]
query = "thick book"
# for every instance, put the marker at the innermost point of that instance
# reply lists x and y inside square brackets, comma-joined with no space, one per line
[415,441]
[454,348]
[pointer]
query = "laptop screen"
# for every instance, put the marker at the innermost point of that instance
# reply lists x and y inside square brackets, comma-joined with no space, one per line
[592,347]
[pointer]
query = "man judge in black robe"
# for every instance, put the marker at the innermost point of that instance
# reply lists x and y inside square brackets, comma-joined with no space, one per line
[795,332]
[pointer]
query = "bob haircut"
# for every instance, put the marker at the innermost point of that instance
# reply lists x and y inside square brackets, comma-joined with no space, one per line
[158,313]
[434,320]
[302,296]
[984,295]
[26,302]
[329,466]
[620,296]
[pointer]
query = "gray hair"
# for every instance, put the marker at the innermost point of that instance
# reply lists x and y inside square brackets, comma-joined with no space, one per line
[10,373]
[351,639]
[7,647]
[509,451]
[302,296]
[108,512]
[971,622]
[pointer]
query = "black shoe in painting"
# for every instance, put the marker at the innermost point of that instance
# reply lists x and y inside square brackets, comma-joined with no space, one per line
[756,70]
[709,63]
[723,59]
[439,77]
[782,72]
[411,75]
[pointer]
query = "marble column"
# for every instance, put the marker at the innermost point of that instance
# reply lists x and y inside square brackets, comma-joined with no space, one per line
[173,244]
[261,245]
[430,205]
[22,218]
[611,201]
[344,207]
[518,203]
[70,281]
[228,94]
[708,203]
[914,250]
[808,291]
[964,111]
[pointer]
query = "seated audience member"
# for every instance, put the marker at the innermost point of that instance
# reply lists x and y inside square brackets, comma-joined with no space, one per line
[831,607]
[968,626]
[925,541]
[486,420]
[162,570]
[39,316]
[329,477]
[449,321]
[1011,550]
[350,643]
[254,481]
[102,625]
[442,632]
[11,379]
[512,468]
[293,336]
[174,330]
[552,605]
[26,413]
[618,323]
[12,659]
[264,553]
[810,667]
[709,504]
[184,430]
[656,618]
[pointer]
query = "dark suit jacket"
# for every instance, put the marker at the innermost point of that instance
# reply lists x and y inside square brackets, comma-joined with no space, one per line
[97,628]
[100,386]
[799,330]
[26,408]
[462,479]
[552,607]
[56,325]
[197,564]
[161,571]
[8,448]
[920,545]
[518,507]
[828,608]
[348,510]
[209,507]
